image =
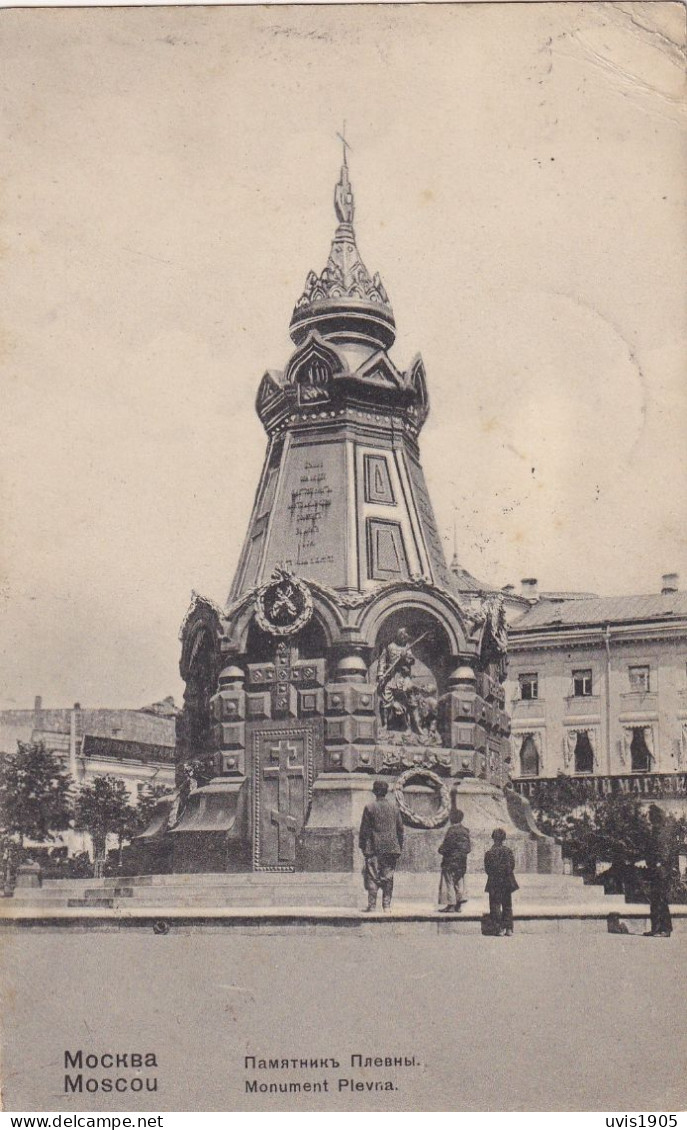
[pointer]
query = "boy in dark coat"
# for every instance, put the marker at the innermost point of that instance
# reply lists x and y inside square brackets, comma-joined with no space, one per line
[454,851]
[499,864]
[381,841]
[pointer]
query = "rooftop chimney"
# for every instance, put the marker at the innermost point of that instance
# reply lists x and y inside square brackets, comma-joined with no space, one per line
[669,583]
[38,701]
[528,588]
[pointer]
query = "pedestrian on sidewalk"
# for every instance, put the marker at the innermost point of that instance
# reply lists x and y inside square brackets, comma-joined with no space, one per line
[659,861]
[454,850]
[381,842]
[499,864]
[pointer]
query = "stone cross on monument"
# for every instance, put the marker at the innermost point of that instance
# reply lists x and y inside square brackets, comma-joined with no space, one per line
[285,771]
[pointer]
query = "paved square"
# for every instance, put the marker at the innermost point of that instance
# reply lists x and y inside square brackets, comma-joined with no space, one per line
[536,1022]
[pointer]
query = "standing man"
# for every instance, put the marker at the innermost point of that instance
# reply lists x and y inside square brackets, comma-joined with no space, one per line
[499,864]
[454,851]
[659,861]
[381,842]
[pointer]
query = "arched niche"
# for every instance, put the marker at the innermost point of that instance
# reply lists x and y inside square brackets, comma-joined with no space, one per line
[310,643]
[425,598]
[430,646]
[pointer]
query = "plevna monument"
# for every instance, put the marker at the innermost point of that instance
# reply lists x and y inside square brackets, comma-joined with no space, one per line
[343,652]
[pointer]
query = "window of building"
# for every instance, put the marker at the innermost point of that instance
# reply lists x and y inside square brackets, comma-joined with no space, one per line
[582,683]
[639,679]
[584,753]
[640,754]
[529,757]
[529,686]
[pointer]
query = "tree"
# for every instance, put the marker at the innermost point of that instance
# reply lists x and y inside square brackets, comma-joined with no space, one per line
[35,794]
[560,805]
[103,809]
[612,829]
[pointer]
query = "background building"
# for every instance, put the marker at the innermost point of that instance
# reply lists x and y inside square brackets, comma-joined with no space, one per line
[137,746]
[597,688]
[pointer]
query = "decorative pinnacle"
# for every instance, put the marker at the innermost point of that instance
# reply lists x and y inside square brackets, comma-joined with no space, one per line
[345,276]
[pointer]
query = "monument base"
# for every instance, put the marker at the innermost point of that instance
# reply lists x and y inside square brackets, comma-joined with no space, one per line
[213,832]
[329,840]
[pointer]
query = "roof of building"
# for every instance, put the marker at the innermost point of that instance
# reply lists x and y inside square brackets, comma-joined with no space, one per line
[567,595]
[149,731]
[465,582]
[603,610]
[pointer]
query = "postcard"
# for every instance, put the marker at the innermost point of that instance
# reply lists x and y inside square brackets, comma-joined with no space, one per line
[344,687]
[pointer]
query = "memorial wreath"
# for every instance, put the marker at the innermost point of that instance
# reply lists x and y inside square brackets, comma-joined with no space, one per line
[426,777]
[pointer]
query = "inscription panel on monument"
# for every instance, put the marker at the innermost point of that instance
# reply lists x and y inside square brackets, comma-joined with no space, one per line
[308,530]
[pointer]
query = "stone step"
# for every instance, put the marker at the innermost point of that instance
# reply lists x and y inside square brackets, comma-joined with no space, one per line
[284,896]
[201,878]
[25,903]
[265,885]
[258,878]
[109,903]
[109,892]
[212,877]
[265,890]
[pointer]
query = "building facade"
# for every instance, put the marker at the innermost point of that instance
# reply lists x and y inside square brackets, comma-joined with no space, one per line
[597,689]
[136,746]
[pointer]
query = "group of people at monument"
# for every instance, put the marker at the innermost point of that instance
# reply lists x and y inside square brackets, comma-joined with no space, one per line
[381,842]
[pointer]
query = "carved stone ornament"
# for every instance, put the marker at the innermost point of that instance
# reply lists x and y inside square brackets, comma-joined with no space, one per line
[424,777]
[492,614]
[397,759]
[284,605]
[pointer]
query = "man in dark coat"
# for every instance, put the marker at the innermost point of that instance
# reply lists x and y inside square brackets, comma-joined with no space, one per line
[499,864]
[454,851]
[659,863]
[381,842]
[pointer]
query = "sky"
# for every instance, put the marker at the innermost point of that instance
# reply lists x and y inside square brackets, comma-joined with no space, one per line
[167,184]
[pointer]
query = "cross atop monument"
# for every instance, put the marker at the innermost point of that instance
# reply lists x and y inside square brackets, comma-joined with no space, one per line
[346,144]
